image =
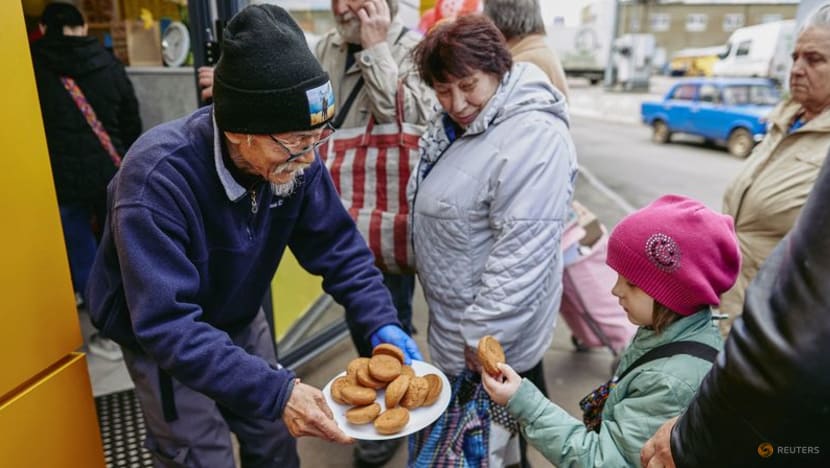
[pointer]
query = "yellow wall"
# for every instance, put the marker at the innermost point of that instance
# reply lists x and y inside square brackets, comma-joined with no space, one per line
[39,327]
[293,292]
[52,423]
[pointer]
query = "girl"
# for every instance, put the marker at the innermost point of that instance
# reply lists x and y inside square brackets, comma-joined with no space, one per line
[674,258]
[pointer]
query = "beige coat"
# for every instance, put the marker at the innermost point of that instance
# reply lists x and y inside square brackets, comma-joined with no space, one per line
[533,49]
[381,66]
[769,192]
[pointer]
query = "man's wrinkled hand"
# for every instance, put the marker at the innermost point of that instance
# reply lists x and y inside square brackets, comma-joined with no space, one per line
[656,452]
[374,22]
[395,335]
[306,414]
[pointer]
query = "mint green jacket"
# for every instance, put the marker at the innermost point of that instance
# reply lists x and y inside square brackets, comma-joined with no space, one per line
[635,409]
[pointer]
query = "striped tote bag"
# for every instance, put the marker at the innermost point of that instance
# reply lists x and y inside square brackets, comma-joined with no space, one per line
[370,167]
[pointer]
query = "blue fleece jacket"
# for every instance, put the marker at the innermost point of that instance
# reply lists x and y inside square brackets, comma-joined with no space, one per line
[188,254]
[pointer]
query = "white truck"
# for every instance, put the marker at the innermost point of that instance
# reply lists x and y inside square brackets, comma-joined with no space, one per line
[586,49]
[761,51]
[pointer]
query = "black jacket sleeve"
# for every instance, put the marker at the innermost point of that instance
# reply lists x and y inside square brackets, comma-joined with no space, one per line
[771,384]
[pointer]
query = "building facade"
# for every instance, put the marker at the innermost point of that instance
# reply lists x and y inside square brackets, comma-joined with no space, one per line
[680,25]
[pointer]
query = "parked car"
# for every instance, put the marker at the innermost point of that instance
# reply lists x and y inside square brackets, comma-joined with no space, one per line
[722,110]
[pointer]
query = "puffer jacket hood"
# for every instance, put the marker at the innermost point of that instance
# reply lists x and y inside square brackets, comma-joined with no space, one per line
[72,55]
[524,89]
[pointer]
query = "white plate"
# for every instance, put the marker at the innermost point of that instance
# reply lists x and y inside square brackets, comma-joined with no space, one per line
[419,418]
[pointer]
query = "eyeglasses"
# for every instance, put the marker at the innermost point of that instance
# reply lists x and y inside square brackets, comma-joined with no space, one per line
[326,133]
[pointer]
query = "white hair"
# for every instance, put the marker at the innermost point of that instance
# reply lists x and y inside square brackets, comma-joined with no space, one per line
[819,18]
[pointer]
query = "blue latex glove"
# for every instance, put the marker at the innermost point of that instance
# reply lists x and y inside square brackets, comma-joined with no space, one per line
[395,335]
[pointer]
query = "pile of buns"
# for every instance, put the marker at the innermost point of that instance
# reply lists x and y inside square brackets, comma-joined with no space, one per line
[384,370]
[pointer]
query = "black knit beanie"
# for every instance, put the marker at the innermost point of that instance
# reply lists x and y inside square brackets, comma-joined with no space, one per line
[267,80]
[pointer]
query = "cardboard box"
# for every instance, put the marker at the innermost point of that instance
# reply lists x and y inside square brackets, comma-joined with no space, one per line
[136,45]
[589,222]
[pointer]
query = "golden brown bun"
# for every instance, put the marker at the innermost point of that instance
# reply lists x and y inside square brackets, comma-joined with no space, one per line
[396,390]
[358,396]
[408,370]
[490,353]
[389,350]
[392,421]
[384,367]
[363,414]
[435,387]
[416,393]
[365,378]
[355,364]
[337,389]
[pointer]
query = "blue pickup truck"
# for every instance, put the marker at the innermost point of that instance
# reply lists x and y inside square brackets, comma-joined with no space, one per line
[723,110]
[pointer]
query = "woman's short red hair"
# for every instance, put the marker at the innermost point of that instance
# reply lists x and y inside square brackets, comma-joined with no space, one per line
[458,48]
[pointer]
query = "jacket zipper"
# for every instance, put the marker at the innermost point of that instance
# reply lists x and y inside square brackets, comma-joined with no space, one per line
[254,209]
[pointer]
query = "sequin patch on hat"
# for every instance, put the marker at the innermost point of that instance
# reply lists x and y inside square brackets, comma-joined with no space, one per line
[663,252]
[320,103]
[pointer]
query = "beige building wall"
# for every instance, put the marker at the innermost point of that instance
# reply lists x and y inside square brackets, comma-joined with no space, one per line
[678,26]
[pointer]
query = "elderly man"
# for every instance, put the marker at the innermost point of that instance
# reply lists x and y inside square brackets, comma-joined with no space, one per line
[200,215]
[367,56]
[524,29]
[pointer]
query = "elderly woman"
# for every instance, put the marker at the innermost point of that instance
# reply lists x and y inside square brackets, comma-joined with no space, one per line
[489,198]
[767,195]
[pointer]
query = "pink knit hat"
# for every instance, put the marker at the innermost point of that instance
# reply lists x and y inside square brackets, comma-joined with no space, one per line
[679,252]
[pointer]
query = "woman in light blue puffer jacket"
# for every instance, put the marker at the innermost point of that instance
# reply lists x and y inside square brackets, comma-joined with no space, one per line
[489,200]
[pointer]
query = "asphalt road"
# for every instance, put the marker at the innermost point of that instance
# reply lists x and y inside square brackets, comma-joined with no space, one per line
[623,158]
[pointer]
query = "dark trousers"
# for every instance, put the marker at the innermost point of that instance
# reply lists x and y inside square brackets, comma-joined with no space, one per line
[200,433]
[81,245]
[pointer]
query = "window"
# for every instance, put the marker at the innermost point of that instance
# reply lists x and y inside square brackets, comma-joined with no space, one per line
[709,93]
[743,48]
[635,25]
[660,21]
[733,21]
[738,95]
[696,22]
[684,92]
[771,18]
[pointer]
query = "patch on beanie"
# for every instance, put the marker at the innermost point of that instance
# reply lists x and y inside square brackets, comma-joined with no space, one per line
[663,252]
[320,103]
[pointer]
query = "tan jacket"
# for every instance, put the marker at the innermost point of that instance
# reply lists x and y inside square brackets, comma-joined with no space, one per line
[535,50]
[769,192]
[381,67]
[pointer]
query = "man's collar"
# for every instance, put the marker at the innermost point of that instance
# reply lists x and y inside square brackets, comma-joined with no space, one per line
[233,190]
